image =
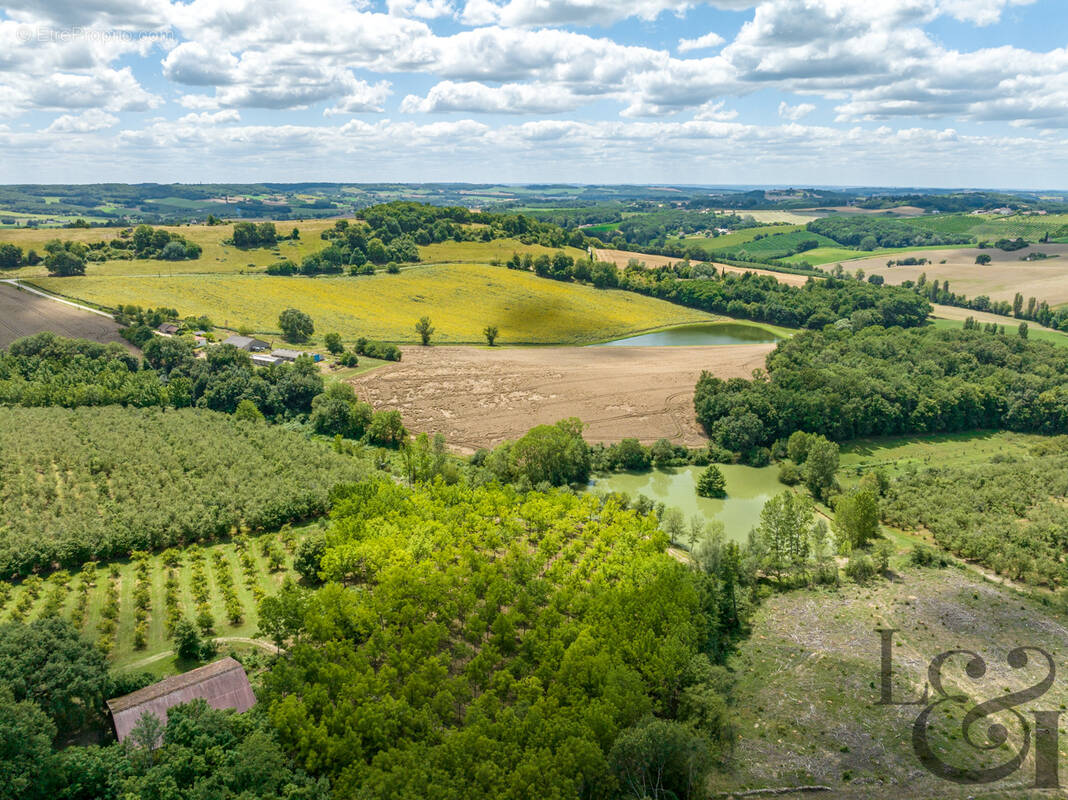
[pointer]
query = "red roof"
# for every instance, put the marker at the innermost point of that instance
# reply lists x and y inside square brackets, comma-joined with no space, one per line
[221,684]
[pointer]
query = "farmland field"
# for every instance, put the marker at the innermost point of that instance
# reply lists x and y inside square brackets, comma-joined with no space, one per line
[1046,279]
[461,300]
[97,482]
[216,256]
[777,245]
[994,226]
[498,250]
[729,240]
[23,313]
[622,257]
[66,597]
[481,397]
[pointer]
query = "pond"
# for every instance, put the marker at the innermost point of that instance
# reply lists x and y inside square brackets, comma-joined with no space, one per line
[748,488]
[705,333]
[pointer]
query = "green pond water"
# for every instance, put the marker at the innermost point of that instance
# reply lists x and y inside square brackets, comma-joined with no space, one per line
[748,488]
[706,333]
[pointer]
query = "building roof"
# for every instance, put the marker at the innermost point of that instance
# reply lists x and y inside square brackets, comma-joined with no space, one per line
[221,684]
[167,327]
[288,355]
[266,360]
[245,342]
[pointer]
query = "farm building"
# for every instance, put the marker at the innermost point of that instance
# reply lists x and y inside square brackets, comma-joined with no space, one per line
[246,343]
[293,355]
[221,684]
[167,328]
[287,355]
[264,360]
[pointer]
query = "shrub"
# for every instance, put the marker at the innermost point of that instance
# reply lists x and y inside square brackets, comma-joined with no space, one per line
[860,568]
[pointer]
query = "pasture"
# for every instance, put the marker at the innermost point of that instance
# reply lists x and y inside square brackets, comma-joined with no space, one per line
[460,299]
[23,313]
[727,241]
[1006,275]
[482,397]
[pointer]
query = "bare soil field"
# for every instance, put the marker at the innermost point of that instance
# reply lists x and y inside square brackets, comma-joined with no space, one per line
[480,397]
[621,257]
[1000,280]
[23,313]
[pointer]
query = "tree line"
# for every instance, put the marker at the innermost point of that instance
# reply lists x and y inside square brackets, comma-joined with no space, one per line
[878,381]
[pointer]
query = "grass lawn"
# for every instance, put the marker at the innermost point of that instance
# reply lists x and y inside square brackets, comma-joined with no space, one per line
[460,299]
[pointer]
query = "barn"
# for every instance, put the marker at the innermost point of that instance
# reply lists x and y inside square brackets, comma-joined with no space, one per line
[221,684]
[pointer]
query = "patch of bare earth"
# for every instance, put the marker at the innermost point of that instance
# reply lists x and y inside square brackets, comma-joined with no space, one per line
[623,257]
[807,697]
[480,397]
[23,313]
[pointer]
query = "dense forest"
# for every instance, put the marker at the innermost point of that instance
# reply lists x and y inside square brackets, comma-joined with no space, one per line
[96,483]
[846,384]
[483,643]
[1008,515]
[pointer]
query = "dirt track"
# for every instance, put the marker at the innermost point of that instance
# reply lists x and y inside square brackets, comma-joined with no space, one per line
[24,314]
[479,397]
[622,257]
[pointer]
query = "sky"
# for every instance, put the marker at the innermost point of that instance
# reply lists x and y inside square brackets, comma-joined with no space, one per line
[935,93]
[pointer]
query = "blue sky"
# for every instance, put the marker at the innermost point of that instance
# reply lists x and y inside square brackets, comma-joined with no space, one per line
[853,92]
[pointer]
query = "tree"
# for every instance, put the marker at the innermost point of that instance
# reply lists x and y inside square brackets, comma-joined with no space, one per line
[660,758]
[663,452]
[673,524]
[49,663]
[309,556]
[337,412]
[247,410]
[296,325]
[821,465]
[173,251]
[712,483]
[187,642]
[1022,330]
[333,343]
[65,264]
[26,735]
[555,454]
[425,330]
[983,258]
[490,332]
[631,455]
[10,256]
[856,518]
[386,429]
[785,523]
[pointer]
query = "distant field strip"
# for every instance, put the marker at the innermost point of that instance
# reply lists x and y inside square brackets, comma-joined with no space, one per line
[460,299]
